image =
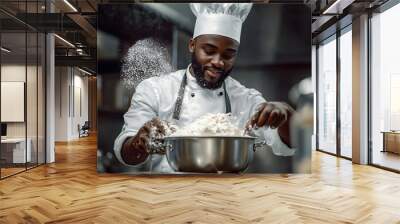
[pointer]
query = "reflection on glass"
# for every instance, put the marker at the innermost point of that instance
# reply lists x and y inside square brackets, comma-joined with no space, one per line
[327,96]
[23,90]
[31,100]
[41,99]
[345,94]
[14,148]
[385,86]
[32,84]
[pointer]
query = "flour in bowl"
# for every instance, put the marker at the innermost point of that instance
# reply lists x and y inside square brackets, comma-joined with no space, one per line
[211,125]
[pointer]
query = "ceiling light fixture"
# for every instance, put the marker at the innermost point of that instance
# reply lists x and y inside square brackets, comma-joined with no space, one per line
[5,49]
[70,5]
[338,6]
[80,51]
[84,71]
[329,9]
[64,40]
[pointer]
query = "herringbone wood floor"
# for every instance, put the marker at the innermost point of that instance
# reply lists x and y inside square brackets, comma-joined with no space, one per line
[70,191]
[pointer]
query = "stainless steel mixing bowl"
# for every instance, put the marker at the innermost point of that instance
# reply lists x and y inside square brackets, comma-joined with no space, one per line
[209,154]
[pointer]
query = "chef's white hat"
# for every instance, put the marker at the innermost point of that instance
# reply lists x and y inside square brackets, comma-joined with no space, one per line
[223,19]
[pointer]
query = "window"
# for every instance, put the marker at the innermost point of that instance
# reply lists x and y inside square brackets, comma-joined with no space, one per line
[327,96]
[385,88]
[346,93]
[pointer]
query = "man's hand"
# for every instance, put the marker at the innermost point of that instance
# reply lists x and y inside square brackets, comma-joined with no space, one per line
[274,115]
[136,149]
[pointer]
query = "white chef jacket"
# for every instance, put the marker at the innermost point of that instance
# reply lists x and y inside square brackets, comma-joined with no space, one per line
[156,97]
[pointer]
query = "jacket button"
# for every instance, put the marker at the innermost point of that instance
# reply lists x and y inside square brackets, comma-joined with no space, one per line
[192,94]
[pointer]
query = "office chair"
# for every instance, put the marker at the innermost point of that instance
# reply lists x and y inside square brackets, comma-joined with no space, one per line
[84,130]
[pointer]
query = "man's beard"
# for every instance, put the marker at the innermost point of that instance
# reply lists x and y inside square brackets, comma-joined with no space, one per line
[198,71]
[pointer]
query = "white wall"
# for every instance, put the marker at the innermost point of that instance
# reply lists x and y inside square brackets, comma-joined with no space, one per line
[388,69]
[17,73]
[62,80]
[12,100]
[80,100]
[14,73]
[71,92]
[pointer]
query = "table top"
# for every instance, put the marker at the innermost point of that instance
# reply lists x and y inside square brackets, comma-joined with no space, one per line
[13,140]
[391,132]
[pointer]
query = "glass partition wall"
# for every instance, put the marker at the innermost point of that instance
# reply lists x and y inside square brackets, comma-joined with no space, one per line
[326,60]
[334,89]
[385,89]
[335,97]
[22,77]
[345,62]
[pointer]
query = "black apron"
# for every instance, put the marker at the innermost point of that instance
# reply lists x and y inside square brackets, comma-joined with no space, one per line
[181,93]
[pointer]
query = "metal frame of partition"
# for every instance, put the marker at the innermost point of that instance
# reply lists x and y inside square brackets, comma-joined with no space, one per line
[338,98]
[43,94]
[26,89]
[369,125]
[0,91]
[316,98]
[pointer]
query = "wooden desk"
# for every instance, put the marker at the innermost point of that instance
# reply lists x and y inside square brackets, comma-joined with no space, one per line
[391,141]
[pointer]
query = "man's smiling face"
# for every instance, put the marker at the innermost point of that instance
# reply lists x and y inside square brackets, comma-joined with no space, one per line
[213,57]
